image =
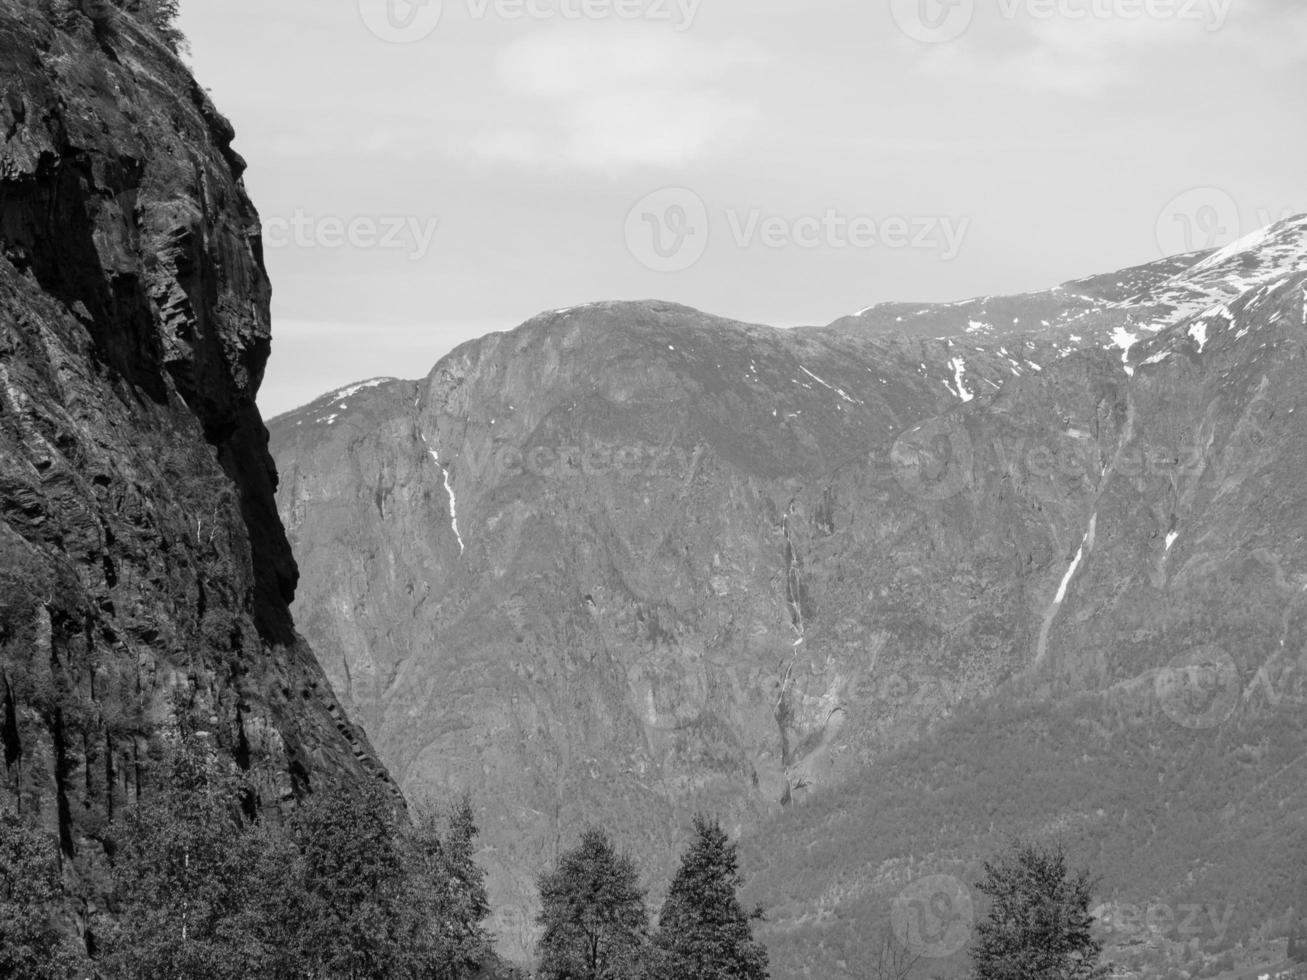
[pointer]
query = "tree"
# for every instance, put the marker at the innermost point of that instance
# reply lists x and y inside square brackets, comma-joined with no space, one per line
[889,959]
[358,918]
[1038,924]
[161,16]
[31,888]
[593,913]
[186,878]
[451,889]
[703,932]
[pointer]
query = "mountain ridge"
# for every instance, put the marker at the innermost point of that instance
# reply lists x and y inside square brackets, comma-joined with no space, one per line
[660,561]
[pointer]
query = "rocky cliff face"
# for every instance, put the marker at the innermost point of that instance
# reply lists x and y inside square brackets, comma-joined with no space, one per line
[143,567]
[629,561]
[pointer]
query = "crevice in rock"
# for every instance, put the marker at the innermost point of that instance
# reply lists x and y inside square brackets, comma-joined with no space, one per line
[61,775]
[9,726]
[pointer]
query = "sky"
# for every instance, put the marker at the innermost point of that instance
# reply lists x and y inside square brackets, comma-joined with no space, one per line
[429,171]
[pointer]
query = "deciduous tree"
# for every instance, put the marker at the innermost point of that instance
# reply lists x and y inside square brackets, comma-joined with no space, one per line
[31,945]
[450,887]
[1039,923]
[593,912]
[186,877]
[360,921]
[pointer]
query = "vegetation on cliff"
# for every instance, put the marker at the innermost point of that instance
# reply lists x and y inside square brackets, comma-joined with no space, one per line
[201,887]
[83,16]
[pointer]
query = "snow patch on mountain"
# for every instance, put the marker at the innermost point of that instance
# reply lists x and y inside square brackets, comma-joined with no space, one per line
[1124,339]
[959,379]
[839,391]
[354,389]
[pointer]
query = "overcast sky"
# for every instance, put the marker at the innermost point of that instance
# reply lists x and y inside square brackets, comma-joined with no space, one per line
[428,172]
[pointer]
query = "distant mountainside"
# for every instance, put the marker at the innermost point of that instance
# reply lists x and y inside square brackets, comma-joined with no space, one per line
[143,570]
[878,593]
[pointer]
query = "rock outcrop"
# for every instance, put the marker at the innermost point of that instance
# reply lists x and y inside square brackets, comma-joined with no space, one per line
[143,567]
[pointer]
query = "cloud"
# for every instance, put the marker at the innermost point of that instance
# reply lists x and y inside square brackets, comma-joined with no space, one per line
[1275,31]
[1084,47]
[607,100]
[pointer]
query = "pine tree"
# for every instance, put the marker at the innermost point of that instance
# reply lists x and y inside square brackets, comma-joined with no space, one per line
[703,932]
[31,946]
[1038,924]
[593,913]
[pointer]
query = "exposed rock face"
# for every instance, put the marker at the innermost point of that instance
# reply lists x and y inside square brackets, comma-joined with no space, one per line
[142,563]
[629,561]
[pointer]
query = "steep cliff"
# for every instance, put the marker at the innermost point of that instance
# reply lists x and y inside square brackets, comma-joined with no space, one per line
[143,567]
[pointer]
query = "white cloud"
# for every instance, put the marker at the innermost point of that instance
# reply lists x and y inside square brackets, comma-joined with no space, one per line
[608,99]
[1275,31]
[1089,47]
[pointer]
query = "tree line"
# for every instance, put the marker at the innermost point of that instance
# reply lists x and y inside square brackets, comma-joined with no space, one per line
[200,887]
[348,887]
[596,924]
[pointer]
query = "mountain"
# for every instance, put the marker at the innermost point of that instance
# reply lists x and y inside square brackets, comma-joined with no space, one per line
[878,593]
[143,569]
